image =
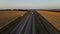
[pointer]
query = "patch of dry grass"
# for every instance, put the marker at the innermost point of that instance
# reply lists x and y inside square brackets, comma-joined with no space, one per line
[52,17]
[7,16]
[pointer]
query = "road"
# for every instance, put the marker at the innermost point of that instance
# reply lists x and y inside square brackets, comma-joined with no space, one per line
[31,23]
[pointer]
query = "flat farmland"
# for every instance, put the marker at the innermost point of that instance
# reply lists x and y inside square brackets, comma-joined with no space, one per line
[52,17]
[8,16]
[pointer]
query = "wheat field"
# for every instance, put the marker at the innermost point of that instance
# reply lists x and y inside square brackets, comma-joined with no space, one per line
[52,17]
[8,16]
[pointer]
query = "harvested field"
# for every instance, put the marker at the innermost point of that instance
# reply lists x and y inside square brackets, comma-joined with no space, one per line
[52,17]
[8,16]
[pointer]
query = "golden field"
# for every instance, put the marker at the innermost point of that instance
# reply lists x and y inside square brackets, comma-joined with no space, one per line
[8,16]
[52,17]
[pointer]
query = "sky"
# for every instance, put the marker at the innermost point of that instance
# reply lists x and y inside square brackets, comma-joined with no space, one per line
[30,4]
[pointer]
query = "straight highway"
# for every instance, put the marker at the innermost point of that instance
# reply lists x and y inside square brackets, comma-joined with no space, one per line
[31,23]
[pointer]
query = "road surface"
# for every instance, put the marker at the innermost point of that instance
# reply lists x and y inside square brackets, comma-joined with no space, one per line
[31,23]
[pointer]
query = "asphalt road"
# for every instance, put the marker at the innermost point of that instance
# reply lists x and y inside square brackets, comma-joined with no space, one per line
[31,23]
